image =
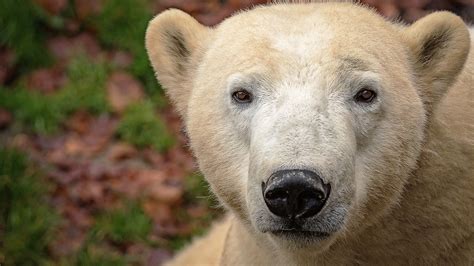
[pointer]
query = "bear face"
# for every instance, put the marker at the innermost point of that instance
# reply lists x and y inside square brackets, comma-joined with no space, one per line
[327,94]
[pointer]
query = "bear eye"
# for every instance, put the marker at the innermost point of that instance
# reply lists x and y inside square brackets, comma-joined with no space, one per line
[365,95]
[242,96]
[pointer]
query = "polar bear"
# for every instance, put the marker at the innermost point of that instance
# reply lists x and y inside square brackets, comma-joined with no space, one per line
[331,135]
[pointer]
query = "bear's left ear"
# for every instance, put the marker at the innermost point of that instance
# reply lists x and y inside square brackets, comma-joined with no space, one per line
[440,44]
[175,41]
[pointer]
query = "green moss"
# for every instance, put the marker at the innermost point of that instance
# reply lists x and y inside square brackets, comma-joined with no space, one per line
[122,24]
[196,193]
[123,225]
[27,221]
[96,255]
[85,89]
[32,110]
[43,114]
[22,30]
[197,190]
[143,128]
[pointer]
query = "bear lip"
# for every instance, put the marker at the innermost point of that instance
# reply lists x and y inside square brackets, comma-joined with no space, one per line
[300,233]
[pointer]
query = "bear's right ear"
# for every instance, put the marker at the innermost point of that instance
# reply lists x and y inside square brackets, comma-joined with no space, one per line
[174,42]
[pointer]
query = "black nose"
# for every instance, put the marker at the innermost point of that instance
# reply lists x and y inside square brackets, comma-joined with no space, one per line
[295,193]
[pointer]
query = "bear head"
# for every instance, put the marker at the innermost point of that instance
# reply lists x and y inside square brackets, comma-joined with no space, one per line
[307,119]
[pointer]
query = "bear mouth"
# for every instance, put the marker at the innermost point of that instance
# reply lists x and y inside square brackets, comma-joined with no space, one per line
[293,229]
[294,233]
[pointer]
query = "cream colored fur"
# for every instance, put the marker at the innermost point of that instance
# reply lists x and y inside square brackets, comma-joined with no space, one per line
[401,169]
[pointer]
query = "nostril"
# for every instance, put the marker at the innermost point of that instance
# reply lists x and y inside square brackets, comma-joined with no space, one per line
[309,203]
[311,195]
[277,201]
[277,195]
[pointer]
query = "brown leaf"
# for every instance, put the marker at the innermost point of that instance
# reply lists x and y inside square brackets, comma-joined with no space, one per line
[190,7]
[159,212]
[64,48]
[7,61]
[197,211]
[147,177]
[66,177]
[123,90]
[153,157]
[87,8]
[80,122]
[54,7]
[47,80]
[120,151]
[21,141]
[159,187]
[97,136]
[68,240]
[166,193]
[72,26]
[5,118]
[182,159]
[101,131]
[158,257]
[120,59]
[80,217]
[87,191]
[413,14]
[74,146]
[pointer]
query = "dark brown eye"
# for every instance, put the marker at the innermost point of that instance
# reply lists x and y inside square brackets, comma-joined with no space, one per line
[365,96]
[242,96]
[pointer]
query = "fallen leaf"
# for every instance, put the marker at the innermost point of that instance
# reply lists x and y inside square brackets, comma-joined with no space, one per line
[80,122]
[7,63]
[87,191]
[5,118]
[166,193]
[159,212]
[68,240]
[156,159]
[120,59]
[87,8]
[122,90]
[120,151]
[158,257]
[53,7]
[64,48]
[47,80]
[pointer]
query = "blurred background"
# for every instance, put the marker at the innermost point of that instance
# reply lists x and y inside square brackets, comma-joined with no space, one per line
[94,167]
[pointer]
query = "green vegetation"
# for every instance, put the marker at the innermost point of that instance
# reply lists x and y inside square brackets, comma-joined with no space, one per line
[43,114]
[27,221]
[123,225]
[197,189]
[120,226]
[86,87]
[142,127]
[98,256]
[32,110]
[196,192]
[22,31]
[123,24]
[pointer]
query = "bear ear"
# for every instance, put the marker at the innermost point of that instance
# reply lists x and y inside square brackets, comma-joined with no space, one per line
[174,42]
[440,44]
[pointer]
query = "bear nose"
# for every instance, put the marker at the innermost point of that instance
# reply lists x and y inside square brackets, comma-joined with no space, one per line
[295,193]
